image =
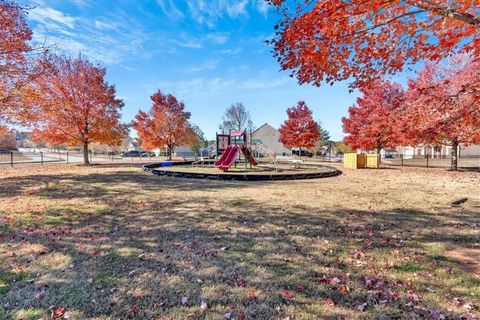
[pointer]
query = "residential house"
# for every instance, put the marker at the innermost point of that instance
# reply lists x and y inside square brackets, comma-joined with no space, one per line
[438,152]
[270,137]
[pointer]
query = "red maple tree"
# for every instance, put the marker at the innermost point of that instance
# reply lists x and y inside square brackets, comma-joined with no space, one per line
[375,122]
[17,57]
[299,130]
[73,104]
[332,40]
[444,105]
[165,125]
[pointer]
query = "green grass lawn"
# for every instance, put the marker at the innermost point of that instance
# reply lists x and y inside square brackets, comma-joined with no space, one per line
[109,242]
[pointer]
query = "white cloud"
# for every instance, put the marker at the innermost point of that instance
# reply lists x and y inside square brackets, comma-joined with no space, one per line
[218,38]
[203,86]
[231,50]
[238,8]
[125,37]
[191,43]
[105,25]
[209,12]
[264,84]
[52,18]
[128,68]
[262,6]
[169,8]
[206,65]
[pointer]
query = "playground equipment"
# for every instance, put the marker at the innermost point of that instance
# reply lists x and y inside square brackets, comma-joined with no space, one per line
[263,149]
[229,146]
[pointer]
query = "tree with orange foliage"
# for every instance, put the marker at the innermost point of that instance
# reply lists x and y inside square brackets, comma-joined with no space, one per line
[17,64]
[165,125]
[7,139]
[73,104]
[334,40]
[376,121]
[299,130]
[444,105]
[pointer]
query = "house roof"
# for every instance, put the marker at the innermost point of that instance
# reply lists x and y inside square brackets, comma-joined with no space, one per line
[263,125]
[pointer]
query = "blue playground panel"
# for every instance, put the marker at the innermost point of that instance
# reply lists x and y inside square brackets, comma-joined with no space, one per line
[166,164]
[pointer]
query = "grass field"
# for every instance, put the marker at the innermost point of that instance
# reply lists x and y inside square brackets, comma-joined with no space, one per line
[109,242]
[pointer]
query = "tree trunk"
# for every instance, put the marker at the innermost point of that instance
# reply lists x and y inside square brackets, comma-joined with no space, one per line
[86,160]
[300,153]
[170,149]
[379,147]
[454,162]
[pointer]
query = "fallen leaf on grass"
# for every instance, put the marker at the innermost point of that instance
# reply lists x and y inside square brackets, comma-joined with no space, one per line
[203,305]
[58,312]
[343,289]
[251,294]
[241,283]
[329,302]
[184,300]
[286,294]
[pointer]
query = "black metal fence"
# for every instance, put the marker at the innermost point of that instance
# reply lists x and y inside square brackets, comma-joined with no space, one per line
[429,161]
[16,158]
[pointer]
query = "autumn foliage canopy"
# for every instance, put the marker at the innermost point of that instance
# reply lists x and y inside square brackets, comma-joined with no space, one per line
[16,70]
[376,121]
[165,125]
[299,130]
[441,106]
[332,40]
[444,104]
[72,103]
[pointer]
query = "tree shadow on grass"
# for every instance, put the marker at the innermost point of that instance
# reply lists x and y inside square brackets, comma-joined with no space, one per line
[138,262]
[97,185]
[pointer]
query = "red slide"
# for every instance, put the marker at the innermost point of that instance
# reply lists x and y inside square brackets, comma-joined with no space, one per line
[228,158]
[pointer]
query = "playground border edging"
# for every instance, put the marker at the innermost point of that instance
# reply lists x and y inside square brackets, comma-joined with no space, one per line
[153,169]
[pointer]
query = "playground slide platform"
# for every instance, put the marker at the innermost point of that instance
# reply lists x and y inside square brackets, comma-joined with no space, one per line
[224,156]
[228,158]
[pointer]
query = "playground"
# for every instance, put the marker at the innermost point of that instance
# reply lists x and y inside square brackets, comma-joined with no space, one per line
[107,242]
[238,157]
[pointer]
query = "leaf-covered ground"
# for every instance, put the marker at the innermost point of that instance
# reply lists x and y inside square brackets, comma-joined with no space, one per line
[109,242]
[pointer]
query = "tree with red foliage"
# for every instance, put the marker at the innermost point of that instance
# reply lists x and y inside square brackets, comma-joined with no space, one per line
[73,104]
[299,130]
[165,125]
[17,57]
[334,40]
[444,105]
[375,122]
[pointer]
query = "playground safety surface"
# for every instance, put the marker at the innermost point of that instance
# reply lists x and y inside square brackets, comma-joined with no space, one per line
[186,170]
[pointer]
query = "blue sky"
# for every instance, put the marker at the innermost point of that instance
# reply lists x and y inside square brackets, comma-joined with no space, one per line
[210,53]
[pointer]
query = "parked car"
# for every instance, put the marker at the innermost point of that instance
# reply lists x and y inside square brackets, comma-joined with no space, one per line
[148,154]
[8,151]
[305,153]
[111,153]
[133,153]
